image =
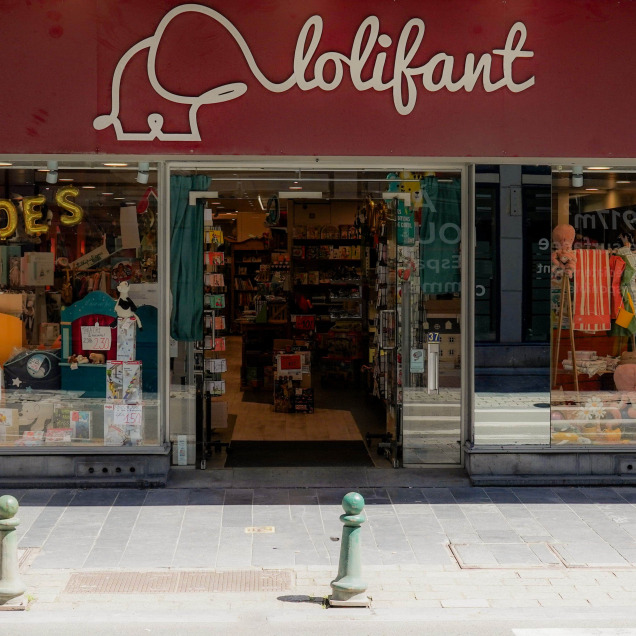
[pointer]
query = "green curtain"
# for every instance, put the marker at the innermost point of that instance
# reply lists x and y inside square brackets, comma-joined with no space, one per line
[440,236]
[186,258]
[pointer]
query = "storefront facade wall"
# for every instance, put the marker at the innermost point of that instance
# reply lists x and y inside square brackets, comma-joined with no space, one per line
[419,84]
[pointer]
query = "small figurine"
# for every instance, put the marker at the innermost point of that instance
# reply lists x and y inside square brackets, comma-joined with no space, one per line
[97,358]
[564,257]
[125,307]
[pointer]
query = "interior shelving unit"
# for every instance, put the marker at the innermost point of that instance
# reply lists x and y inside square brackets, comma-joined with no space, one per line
[209,354]
[246,260]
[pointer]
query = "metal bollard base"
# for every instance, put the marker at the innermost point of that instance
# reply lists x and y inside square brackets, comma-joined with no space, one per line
[17,604]
[359,600]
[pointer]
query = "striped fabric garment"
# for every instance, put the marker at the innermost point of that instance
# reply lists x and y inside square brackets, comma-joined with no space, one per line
[592,291]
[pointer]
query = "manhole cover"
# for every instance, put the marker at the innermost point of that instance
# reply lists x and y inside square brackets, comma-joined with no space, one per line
[160,582]
[504,556]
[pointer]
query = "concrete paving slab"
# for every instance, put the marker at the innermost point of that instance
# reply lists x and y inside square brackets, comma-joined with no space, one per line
[598,554]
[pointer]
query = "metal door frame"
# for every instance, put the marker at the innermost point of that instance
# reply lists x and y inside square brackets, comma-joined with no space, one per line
[410,164]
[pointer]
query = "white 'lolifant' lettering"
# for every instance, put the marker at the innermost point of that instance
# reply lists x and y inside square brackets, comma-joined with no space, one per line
[311,72]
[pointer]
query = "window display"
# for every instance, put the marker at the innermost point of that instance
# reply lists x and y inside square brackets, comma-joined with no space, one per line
[593,318]
[78,309]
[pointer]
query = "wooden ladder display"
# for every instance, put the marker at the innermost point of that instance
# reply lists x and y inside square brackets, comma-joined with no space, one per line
[565,296]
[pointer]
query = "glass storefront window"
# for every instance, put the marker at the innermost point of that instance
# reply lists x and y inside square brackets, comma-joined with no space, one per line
[593,287]
[512,305]
[78,307]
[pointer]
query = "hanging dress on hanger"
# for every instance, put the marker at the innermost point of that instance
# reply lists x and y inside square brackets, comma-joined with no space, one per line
[591,291]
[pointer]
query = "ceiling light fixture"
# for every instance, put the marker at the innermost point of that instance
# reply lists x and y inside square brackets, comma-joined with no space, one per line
[51,175]
[107,194]
[260,202]
[591,189]
[115,165]
[88,187]
[598,168]
[623,181]
[5,163]
[301,195]
[143,170]
[67,179]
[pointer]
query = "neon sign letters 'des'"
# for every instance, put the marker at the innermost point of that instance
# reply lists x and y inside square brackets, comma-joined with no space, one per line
[332,64]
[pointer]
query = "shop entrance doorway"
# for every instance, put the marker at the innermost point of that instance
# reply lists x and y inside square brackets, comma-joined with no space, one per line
[330,319]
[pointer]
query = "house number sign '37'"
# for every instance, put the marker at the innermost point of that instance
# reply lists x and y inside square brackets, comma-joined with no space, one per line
[436,74]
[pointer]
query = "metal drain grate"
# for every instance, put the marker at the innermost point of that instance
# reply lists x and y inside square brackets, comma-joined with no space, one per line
[175,582]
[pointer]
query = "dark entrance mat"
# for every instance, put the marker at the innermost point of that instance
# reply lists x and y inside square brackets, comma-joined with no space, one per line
[297,454]
[258,397]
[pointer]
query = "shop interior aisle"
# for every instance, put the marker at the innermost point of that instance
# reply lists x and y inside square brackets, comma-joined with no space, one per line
[341,415]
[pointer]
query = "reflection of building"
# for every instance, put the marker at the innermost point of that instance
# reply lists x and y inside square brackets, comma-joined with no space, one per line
[450,338]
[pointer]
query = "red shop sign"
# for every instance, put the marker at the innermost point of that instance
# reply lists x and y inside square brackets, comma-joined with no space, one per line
[305,323]
[446,79]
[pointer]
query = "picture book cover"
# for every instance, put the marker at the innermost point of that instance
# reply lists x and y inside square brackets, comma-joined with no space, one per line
[124,269]
[131,382]
[7,417]
[31,438]
[81,425]
[58,436]
[76,421]
[114,380]
[215,387]
[126,339]
[218,365]
[39,269]
[123,424]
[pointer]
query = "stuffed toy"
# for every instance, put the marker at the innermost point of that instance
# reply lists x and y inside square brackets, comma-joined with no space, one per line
[125,307]
[564,257]
[97,358]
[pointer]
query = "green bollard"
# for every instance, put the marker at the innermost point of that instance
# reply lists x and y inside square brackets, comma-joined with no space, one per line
[11,584]
[348,588]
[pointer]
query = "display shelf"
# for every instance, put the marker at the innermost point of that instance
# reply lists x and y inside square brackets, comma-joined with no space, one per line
[251,255]
[333,283]
[343,241]
[325,261]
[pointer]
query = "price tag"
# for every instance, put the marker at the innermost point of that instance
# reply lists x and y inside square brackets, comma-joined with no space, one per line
[305,323]
[127,414]
[96,338]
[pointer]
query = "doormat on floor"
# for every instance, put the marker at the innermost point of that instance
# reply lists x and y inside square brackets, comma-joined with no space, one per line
[258,397]
[297,454]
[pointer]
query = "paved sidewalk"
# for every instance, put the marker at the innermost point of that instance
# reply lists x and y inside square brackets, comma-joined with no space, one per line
[431,550]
